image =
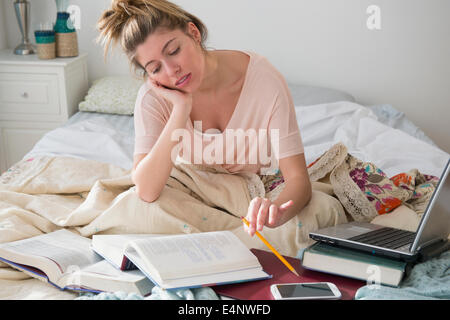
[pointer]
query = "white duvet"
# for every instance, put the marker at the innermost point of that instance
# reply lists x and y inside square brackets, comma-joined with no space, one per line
[366,138]
[321,126]
[93,139]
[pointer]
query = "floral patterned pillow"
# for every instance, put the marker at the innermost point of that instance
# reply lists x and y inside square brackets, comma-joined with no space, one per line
[114,94]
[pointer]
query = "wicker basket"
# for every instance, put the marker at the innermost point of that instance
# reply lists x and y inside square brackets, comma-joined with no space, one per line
[66,44]
[46,50]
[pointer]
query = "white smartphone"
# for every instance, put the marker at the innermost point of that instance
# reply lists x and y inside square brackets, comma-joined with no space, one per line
[305,291]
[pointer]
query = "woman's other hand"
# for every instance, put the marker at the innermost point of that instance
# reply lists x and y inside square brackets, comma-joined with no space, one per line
[263,212]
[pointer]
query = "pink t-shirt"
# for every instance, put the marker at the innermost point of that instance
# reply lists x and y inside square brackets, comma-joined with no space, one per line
[262,128]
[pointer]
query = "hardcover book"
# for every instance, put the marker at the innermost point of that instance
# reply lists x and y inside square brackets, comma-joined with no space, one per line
[354,264]
[184,260]
[65,260]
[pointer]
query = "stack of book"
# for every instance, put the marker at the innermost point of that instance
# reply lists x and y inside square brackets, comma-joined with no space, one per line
[133,263]
[354,264]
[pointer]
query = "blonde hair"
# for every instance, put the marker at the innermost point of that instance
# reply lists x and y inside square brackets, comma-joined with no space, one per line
[130,22]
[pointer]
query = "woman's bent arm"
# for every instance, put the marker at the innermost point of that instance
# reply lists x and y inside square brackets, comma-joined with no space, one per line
[150,174]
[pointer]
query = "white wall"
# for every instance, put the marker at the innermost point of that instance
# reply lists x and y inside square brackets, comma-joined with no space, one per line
[3,44]
[317,42]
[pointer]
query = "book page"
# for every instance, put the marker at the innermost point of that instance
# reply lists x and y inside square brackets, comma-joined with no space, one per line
[66,249]
[112,247]
[117,242]
[105,277]
[105,270]
[195,254]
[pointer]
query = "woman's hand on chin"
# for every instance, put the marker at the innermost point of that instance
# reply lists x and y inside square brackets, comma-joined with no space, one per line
[180,100]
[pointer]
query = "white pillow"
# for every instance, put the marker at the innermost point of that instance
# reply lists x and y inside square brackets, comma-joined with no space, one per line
[113,94]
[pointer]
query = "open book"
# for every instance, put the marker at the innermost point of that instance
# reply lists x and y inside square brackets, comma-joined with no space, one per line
[65,260]
[112,248]
[184,260]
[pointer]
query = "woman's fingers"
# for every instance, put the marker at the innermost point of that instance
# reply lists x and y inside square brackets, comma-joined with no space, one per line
[252,212]
[286,205]
[276,213]
[273,214]
[152,83]
[262,211]
[262,215]
[176,97]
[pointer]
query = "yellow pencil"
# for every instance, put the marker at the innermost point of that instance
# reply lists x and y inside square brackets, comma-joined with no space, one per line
[279,256]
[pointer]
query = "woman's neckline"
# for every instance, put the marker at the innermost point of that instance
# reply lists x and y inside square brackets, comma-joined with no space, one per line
[244,85]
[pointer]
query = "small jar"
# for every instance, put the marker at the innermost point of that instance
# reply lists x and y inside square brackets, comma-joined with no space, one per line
[45,41]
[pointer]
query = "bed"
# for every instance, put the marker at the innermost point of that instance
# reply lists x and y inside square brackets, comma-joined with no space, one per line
[377,133]
[115,132]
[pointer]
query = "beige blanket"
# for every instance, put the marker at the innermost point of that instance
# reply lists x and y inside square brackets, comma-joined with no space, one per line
[44,194]
[48,193]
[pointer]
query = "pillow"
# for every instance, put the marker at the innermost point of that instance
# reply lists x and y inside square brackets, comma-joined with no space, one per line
[117,95]
[304,95]
[113,94]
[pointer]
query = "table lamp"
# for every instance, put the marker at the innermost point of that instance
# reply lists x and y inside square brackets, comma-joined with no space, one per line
[22,8]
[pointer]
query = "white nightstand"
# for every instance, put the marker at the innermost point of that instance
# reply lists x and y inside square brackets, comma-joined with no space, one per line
[36,96]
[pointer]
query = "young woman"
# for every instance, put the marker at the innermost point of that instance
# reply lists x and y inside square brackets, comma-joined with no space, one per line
[205,93]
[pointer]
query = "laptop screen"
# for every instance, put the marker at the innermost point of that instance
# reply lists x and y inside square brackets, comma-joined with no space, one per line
[435,222]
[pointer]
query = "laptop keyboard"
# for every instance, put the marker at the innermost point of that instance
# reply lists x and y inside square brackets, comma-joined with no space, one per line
[386,237]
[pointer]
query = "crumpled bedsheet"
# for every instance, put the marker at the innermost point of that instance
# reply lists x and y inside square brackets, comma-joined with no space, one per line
[429,280]
[205,293]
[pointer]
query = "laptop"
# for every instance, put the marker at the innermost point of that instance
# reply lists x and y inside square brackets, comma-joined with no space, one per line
[432,232]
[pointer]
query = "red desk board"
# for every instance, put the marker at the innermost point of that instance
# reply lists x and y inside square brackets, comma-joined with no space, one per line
[260,290]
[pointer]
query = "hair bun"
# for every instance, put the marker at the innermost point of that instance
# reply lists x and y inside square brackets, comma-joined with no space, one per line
[130,7]
[121,6]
